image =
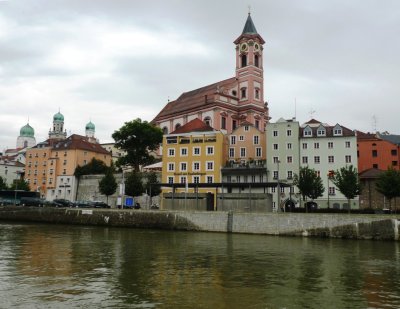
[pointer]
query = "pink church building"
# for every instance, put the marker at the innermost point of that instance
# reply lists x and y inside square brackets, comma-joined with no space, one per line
[226,104]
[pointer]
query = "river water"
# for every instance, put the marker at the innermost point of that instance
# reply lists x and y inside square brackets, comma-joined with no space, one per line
[58,266]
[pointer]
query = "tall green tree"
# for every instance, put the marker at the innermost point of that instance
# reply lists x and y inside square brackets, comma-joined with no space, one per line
[108,185]
[388,184]
[3,184]
[94,167]
[20,184]
[346,180]
[137,138]
[134,184]
[152,187]
[309,183]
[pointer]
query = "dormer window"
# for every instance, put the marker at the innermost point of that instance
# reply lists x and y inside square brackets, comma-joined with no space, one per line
[321,132]
[307,132]
[337,131]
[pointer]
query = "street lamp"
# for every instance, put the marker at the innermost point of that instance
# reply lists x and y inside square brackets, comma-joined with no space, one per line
[278,187]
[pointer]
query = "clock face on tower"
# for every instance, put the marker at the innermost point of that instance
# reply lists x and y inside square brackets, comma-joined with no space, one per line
[256,47]
[244,47]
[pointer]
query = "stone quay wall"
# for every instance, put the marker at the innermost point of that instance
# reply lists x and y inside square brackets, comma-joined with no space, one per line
[383,227]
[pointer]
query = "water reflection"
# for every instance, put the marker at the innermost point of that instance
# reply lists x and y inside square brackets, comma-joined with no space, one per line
[51,266]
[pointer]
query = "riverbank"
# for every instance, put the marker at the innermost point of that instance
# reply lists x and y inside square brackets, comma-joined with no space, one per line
[382,227]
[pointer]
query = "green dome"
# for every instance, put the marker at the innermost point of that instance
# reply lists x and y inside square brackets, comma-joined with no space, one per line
[90,126]
[27,131]
[58,117]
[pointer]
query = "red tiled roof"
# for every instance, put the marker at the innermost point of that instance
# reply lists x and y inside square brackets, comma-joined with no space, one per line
[329,131]
[370,173]
[362,135]
[312,121]
[80,142]
[195,125]
[193,100]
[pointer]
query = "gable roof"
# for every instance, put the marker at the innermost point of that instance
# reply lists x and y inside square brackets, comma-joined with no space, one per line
[370,173]
[329,129]
[193,100]
[80,142]
[394,139]
[195,125]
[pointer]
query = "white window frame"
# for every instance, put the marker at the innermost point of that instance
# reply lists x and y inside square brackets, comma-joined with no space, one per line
[209,148]
[194,151]
[181,165]
[207,166]
[184,149]
[194,166]
[171,152]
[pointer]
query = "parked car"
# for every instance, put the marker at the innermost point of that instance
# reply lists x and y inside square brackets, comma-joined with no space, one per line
[63,202]
[82,204]
[33,201]
[99,204]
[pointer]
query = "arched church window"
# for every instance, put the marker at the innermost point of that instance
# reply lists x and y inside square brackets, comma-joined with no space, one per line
[256,61]
[207,120]
[243,93]
[257,93]
[25,144]
[177,126]
[165,130]
[244,60]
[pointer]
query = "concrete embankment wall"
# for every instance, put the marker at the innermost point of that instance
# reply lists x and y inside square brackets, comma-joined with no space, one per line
[317,225]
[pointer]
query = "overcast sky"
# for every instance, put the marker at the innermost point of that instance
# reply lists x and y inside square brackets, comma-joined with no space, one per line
[111,61]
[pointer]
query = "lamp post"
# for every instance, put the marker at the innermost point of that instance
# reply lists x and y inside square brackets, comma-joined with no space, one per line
[330,175]
[278,187]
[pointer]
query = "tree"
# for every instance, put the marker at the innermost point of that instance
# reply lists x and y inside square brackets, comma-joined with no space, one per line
[94,167]
[346,180]
[108,185]
[20,184]
[137,139]
[152,187]
[133,184]
[388,184]
[309,183]
[3,184]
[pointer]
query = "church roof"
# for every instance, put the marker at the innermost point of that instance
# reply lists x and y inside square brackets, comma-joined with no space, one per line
[58,117]
[195,125]
[27,131]
[90,126]
[249,27]
[193,100]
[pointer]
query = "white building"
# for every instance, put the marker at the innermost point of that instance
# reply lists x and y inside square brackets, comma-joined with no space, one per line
[317,145]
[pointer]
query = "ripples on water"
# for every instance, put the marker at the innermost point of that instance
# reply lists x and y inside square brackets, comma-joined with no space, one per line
[52,266]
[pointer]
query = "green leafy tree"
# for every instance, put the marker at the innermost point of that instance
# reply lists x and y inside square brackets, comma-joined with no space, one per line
[137,138]
[388,184]
[20,184]
[309,183]
[152,187]
[94,167]
[108,185]
[3,184]
[133,184]
[346,180]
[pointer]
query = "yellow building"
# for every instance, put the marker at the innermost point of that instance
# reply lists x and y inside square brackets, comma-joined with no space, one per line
[50,165]
[193,153]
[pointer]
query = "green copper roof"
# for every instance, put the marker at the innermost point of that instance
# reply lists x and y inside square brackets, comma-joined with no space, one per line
[90,126]
[27,131]
[249,27]
[58,117]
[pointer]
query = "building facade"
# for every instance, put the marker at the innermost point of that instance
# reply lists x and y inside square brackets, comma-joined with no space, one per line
[316,145]
[193,154]
[246,162]
[378,151]
[224,105]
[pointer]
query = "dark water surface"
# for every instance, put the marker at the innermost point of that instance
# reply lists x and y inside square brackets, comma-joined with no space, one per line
[54,266]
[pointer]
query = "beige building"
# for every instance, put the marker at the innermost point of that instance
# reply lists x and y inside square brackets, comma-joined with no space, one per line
[50,166]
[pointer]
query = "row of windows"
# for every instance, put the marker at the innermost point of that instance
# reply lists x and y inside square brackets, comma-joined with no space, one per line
[195,179]
[45,163]
[330,145]
[322,132]
[246,178]
[183,166]
[256,139]
[317,159]
[243,60]
[36,155]
[243,152]
[331,190]
[393,152]
[196,151]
